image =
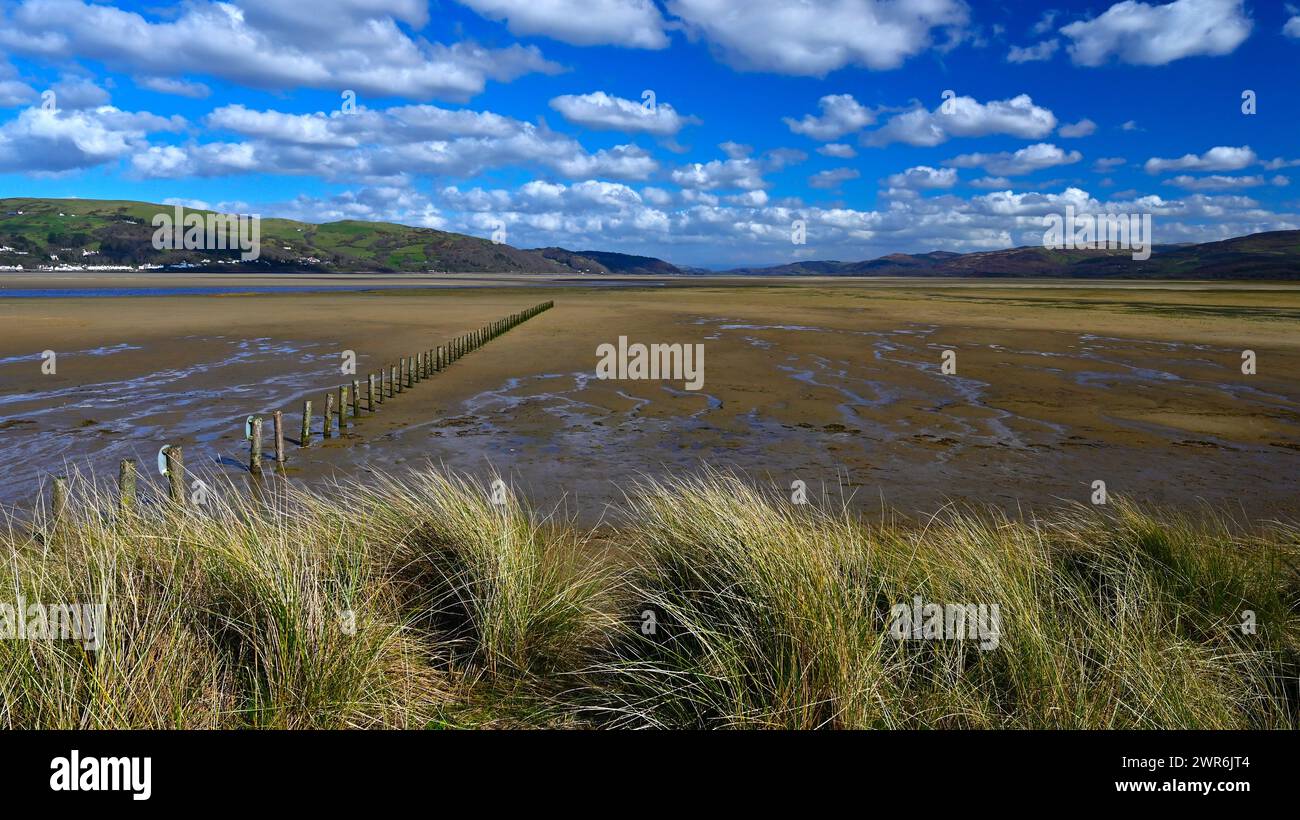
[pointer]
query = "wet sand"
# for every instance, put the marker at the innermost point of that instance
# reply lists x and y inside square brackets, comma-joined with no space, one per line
[833,382]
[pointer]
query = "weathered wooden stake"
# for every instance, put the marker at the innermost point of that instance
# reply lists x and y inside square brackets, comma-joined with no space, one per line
[343,407]
[255,447]
[58,502]
[277,421]
[304,439]
[370,392]
[126,484]
[356,398]
[176,474]
[329,415]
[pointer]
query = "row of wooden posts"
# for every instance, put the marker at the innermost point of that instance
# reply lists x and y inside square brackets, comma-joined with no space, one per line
[390,381]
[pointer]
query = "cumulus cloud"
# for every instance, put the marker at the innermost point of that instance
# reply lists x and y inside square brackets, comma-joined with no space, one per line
[1292,27]
[815,37]
[631,23]
[838,150]
[603,111]
[993,183]
[841,114]
[966,117]
[377,204]
[1216,182]
[832,178]
[333,44]
[923,177]
[76,93]
[1025,161]
[1083,128]
[1144,34]
[51,141]
[384,146]
[1035,53]
[703,228]
[1219,158]
[13,91]
[175,86]
[737,172]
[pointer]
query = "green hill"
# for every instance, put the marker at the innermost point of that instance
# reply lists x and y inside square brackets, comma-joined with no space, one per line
[118,232]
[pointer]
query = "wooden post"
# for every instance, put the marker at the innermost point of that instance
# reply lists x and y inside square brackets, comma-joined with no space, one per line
[255,447]
[343,407]
[415,370]
[176,474]
[399,374]
[304,439]
[329,415]
[370,393]
[126,484]
[278,423]
[58,502]
[356,398]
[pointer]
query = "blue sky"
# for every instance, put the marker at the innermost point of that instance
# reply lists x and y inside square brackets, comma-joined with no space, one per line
[883,125]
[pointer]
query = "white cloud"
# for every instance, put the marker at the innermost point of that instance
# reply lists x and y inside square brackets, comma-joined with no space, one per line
[703,228]
[815,37]
[993,183]
[1219,158]
[1035,53]
[1083,128]
[332,44]
[1024,161]
[174,86]
[13,91]
[833,178]
[838,150]
[384,146]
[631,23]
[1144,34]
[1216,182]
[603,111]
[742,173]
[76,93]
[1045,23]
[923,177]
[56,141]
[1105,165]
[1292,27]
[841,114]
[965,117]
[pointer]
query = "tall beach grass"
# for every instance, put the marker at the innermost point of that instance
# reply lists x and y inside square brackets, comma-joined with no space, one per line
[432,600]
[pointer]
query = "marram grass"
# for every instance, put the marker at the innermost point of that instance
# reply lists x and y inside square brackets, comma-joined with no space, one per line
[418,602]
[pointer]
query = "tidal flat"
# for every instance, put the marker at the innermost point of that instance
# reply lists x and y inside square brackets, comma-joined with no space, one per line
[836,383]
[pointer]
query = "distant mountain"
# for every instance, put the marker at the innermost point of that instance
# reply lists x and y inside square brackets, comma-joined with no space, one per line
[609,262]
[1273,255]
[86,233]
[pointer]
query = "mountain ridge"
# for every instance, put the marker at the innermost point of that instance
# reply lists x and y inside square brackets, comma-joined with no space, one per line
[89,234]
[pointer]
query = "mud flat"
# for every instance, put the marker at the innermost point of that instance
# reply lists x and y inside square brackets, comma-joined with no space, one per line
[836,383]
